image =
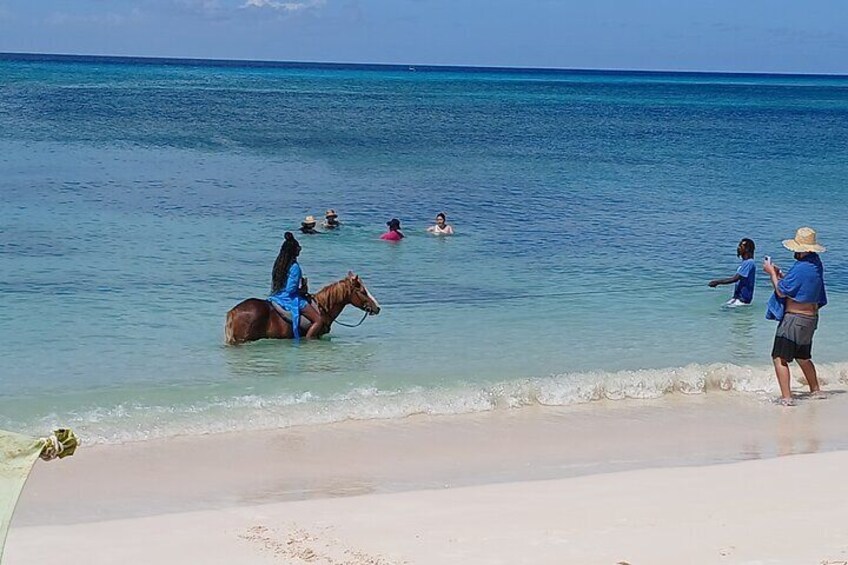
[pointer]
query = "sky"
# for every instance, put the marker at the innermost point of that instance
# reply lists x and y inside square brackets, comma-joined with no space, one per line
[711,35]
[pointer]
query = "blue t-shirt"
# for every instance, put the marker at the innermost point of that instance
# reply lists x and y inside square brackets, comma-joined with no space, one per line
[289,297]
[744,290]
[803,283]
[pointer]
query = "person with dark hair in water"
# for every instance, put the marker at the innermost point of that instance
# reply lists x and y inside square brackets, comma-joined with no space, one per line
[289,289]
[743,292]
[442,226]
[394,233]
[331,220]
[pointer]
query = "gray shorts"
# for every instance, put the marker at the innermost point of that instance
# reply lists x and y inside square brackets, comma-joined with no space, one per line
[794,337]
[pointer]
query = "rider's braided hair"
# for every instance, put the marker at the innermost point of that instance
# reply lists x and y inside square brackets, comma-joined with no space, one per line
[288,254]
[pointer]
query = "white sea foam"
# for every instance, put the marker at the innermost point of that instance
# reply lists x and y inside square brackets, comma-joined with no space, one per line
[134,422]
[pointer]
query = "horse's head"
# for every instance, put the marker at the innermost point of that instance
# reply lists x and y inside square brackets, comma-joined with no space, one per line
[359,295]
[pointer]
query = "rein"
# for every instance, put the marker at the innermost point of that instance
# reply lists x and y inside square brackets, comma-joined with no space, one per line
[364,315]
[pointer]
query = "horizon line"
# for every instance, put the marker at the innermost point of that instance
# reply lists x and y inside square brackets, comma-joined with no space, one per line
[399,66]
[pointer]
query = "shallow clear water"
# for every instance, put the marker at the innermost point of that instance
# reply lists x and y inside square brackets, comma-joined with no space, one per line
[141,201]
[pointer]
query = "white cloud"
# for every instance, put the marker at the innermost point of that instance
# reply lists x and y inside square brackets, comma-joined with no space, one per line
[283,6]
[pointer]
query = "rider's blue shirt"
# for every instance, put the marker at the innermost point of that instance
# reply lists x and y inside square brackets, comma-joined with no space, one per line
[289,298]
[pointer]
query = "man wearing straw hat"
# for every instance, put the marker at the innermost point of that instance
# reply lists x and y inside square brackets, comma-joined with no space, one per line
[795,304]
[331,220]
[307,226]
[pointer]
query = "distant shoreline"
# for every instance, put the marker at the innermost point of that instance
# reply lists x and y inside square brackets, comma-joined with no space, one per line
[327,65]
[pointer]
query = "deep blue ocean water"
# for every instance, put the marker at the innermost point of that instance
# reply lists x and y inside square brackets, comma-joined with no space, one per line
[141,199]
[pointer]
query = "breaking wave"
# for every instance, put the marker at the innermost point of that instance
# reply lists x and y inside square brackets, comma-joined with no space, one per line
[134,422]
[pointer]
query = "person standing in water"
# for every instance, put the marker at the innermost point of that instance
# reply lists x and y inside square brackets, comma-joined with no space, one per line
[289,289]
[798,297]
[331,220]
[743,292]
[307,226]
[442,227]
[394,233]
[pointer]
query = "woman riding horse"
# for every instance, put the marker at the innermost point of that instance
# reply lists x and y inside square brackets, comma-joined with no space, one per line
[257,318]
[288,289]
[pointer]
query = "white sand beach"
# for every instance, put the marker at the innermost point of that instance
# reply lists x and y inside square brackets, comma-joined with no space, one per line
[726,479]
[787,510]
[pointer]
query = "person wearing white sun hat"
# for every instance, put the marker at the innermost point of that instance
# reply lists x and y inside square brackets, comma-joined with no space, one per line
[307,226]
[798,296]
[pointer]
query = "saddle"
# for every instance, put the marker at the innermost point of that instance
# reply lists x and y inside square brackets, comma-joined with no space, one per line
[305,324]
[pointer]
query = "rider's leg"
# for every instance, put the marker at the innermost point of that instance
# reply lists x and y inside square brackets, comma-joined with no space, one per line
[313,315]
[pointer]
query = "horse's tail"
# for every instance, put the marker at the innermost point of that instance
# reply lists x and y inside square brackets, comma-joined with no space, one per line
[229,336]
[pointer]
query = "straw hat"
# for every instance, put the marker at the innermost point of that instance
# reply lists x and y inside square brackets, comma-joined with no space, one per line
[308,220]
[804,242]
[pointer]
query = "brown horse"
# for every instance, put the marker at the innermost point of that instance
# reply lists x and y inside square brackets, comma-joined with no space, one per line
[255,318]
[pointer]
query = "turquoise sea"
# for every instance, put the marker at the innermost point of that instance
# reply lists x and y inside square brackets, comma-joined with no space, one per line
[141,199]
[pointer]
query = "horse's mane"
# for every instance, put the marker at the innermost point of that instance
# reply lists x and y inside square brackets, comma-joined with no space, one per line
[333,293]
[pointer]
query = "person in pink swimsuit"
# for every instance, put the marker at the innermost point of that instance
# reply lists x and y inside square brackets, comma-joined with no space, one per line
[394,233]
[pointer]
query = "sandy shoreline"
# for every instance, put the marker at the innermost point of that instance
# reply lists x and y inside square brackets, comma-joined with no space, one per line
[785,510]
[537,485]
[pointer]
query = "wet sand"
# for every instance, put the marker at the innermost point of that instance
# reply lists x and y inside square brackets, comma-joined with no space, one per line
[637,481]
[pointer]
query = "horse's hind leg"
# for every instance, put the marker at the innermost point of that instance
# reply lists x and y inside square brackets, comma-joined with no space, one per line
[229,335]
[247,321]
[234,328]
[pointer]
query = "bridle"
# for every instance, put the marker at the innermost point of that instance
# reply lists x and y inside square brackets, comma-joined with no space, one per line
[367,311]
